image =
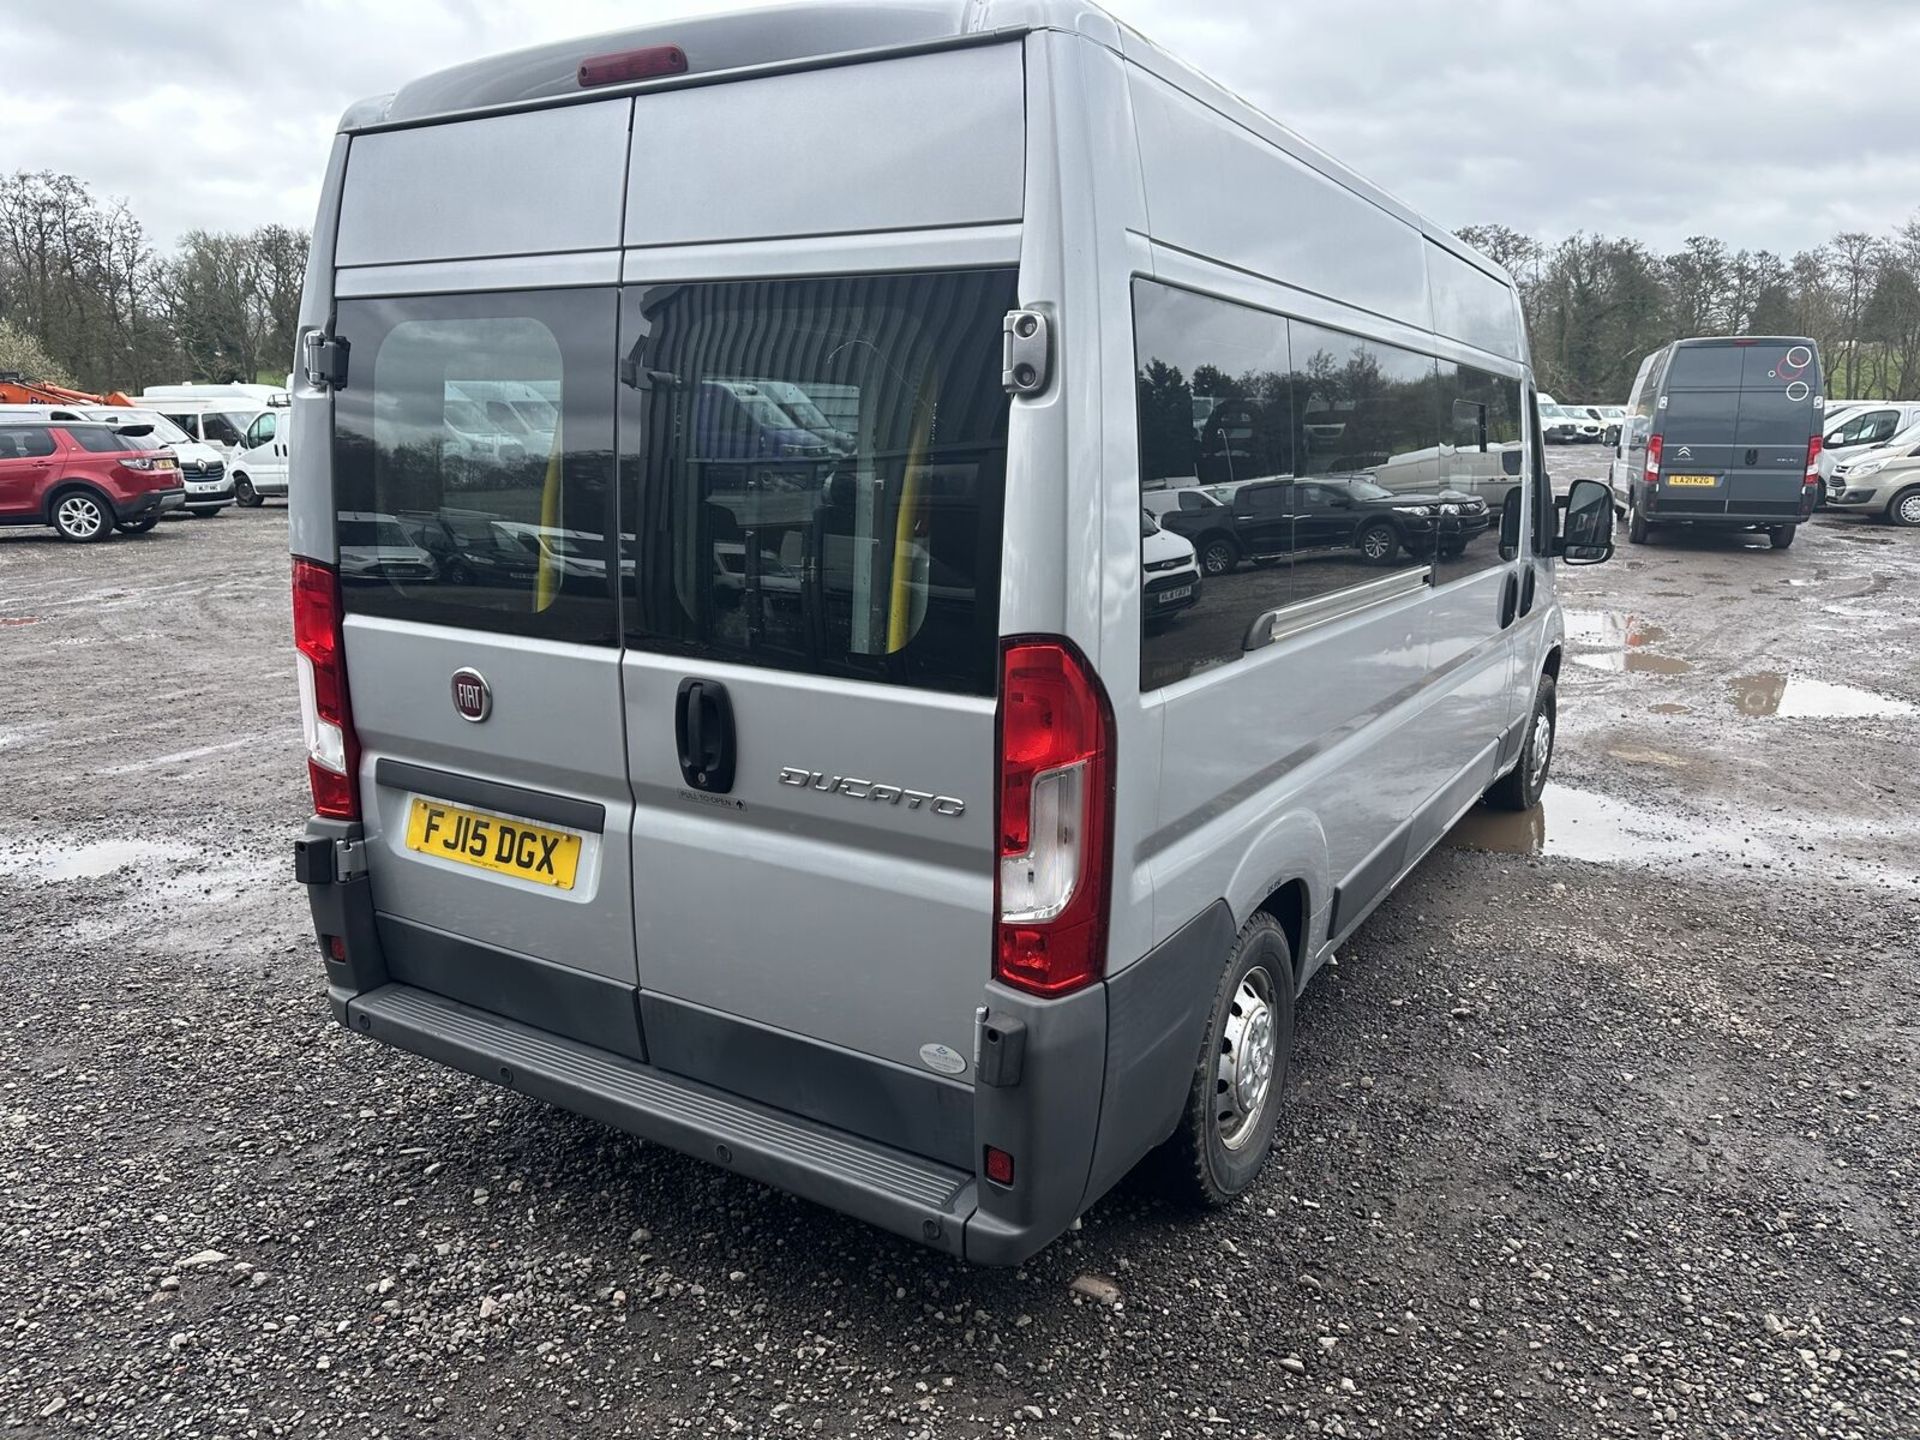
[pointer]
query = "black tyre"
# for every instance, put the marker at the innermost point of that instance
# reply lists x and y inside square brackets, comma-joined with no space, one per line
[1904,509]
[1219,555]
[82,516]
[1377,543]
[137,527]
[243,491]
[1520,787]
[1781,536]
[1637,528]
[1226,1131]
[204,514]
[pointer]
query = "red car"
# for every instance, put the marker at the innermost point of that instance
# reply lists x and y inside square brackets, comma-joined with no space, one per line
[86,481]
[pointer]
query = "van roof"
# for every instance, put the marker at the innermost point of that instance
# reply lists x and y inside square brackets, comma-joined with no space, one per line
[794,36]
[1745,340]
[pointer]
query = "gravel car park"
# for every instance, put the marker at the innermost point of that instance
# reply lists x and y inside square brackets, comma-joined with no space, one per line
[1603,1124]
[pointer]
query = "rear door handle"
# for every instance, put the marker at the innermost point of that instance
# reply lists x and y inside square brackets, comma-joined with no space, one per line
[703,735]
[1509,599]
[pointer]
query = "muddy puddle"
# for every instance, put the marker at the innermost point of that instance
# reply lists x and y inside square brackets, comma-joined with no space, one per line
[1620,641]
[1583,825]
[54,861]
[1797,697]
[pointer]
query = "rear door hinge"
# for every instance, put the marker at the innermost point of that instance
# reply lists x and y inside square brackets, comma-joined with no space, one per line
[1026,352]
[349,859]
[325,360]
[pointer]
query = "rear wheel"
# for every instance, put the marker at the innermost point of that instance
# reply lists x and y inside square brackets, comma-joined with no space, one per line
[204,514]
[1781,536]
[82,516]
[244,492]
[1520,787]
[1233,1105]
[1905,509]
[1637,527]
[138,527]
[1218,555]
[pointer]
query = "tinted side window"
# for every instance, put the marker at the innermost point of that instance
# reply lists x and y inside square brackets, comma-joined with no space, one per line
[262,429]
[815,470]
[1480,467]
[103,440]
[1213,392]
[518,522]
[1367,414]
[25,442]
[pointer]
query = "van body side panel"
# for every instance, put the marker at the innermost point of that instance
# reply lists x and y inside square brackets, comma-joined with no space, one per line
[940,142]
[310,507]
[535,182]
[1283,219]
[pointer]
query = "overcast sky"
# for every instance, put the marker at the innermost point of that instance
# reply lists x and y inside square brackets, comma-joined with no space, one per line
[1765,122]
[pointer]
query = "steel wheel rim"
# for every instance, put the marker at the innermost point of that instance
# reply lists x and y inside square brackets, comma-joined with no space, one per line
[1249,1054]
[1542,748]
[1910,509]
[80,516]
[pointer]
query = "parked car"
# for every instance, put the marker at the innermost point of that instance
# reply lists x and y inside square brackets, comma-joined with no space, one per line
[1854,429]
[1203,518]
[377,547]
[259,465]
[1562,424]
[1884,481]
[1722,432]
[1351,512]
[85,480]
[1611,418]
[470,547]
[202,469]
[950,888]
[1170,573]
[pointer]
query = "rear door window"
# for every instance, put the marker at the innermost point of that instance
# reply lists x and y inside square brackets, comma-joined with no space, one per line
[25,442]
[413,437]
[812,472]
[1706,367]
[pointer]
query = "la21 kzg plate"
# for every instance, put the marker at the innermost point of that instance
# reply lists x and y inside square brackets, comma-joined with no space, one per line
[1707,480]
[498,843]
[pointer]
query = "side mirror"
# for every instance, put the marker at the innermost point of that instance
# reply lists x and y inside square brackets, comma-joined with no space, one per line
[1586,524]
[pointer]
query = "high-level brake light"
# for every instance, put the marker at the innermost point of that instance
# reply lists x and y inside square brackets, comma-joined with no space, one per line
[627,65]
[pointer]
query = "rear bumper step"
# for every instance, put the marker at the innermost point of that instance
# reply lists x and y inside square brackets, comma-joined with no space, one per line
[907,1194]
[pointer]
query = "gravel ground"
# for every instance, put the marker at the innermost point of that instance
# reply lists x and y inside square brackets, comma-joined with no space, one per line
[1605,1124]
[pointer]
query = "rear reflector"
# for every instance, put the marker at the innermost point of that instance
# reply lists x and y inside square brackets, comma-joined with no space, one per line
[333,751]
[626,65]
[1054,819]
[999,1166]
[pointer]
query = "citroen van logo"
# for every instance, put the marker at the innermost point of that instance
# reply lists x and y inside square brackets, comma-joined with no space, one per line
[856,789]
[1686,453]
[472,696]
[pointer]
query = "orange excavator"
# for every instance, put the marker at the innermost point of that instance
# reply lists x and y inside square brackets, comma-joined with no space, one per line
[16,389]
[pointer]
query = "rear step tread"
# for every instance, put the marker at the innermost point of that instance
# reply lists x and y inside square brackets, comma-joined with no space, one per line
[684,1114]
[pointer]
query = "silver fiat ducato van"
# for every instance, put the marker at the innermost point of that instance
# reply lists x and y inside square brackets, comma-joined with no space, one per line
[802,773]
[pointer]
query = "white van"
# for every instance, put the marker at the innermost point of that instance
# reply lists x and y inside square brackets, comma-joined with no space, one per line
[235,395]
[221,424]
[259,463]
[844,813]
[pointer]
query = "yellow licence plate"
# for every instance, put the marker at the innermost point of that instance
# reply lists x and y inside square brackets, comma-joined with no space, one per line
[1707,480]
[494,842]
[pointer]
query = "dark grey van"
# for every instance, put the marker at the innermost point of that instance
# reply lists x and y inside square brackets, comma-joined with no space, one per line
[1722,431]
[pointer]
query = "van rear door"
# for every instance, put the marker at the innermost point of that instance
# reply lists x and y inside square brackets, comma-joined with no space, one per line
[812,628]
[1735,422]
[483,654]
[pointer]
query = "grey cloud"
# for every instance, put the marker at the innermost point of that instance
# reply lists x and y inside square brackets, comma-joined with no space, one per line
[1766,122]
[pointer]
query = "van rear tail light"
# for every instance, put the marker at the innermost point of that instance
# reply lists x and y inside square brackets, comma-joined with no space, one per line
[1653,460]
[625,65]
[333,751]
[1054,819]
[1813,460]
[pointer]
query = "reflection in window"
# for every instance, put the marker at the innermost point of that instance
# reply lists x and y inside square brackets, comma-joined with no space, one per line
[455,506]
[1481,465]
[815,471]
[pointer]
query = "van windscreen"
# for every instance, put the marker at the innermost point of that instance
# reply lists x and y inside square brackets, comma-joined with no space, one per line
[811,473]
